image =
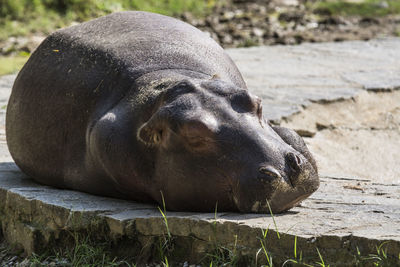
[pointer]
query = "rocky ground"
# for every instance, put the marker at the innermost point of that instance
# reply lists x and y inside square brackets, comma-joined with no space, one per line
[248,23]
[243,23]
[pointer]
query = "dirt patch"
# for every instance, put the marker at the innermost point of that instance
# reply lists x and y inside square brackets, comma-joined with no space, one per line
[258,22]
[359,137]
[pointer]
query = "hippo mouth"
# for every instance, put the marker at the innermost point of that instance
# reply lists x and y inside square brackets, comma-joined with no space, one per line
[279,208]
[278,203]
[279,195]
[267,207]
[274,206]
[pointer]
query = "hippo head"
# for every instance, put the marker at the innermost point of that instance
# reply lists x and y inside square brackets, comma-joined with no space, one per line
[213,147]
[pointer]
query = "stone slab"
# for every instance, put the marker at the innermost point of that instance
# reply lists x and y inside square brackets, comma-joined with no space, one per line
[288,77]
[359,137]
[345,215]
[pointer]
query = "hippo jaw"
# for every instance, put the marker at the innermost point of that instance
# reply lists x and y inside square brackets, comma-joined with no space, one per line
[213,147]
[285,197]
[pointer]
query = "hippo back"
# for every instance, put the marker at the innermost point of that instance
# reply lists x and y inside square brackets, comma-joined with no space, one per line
[144,42]
[80,72]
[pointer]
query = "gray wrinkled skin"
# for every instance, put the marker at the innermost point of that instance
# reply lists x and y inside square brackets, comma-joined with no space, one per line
[134,104]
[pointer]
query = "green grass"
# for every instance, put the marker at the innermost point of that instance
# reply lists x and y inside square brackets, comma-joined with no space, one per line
[366,8]
[84,253]
[166,244]
[11,64]
[22,17]
[248,43]
[221,255]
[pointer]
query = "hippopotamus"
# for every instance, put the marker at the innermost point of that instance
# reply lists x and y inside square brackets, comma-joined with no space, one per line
[145,107]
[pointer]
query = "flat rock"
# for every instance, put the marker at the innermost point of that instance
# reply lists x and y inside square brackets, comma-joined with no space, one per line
[288,77]
[347,214]
[359,137]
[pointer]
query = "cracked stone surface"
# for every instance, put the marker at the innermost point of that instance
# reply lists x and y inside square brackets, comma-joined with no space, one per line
[342,95]
[359,137]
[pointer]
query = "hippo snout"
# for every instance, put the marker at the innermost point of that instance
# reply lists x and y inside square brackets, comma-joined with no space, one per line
[278,186]
[302,180]
[295,163]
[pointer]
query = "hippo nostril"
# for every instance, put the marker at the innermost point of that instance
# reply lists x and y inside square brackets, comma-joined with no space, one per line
[270,172]
[294,161]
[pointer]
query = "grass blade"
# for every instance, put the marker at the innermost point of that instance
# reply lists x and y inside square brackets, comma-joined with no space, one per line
[273,219]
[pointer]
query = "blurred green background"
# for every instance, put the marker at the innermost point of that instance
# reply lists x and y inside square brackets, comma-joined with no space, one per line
[20,18]
[25,17]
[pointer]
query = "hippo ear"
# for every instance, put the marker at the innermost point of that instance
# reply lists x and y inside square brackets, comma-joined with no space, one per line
[152,132]
[149,135]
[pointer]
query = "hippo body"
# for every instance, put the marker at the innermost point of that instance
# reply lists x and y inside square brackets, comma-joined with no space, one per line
[141,106]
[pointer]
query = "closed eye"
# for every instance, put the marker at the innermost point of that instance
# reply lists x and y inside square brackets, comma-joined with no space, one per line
[199,134]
